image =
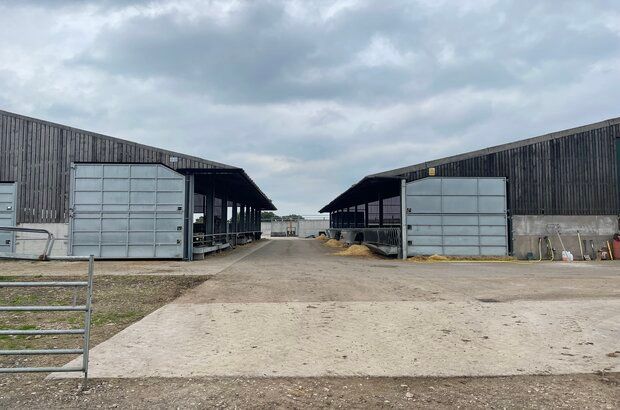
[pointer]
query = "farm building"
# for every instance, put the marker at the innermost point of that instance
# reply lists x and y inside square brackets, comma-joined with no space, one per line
[309,226]
[561,189]
[118,199]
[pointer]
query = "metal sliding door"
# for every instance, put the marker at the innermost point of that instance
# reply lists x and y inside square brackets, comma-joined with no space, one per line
[126,211]
[7,215]
[457,216]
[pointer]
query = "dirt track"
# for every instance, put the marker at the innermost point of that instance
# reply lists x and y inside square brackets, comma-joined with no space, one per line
[304,270]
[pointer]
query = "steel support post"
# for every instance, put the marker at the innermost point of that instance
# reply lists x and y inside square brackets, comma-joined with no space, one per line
[241,218]
[209,210]
[258,220]
[403,218]
[224,226]
[380,211]
[235,222]
[188,249]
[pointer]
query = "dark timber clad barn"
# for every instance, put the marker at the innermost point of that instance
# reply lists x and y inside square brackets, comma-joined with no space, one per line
[122,183]
[567,181]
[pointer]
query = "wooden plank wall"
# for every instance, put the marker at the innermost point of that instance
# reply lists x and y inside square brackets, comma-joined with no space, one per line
[572,175]
[38,156]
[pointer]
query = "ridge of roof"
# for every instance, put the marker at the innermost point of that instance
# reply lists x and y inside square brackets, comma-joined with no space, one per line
[499,148]
[107,137]
[394,173]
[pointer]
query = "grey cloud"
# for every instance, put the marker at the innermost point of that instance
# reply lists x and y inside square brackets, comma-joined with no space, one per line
[262,87]
[263,56]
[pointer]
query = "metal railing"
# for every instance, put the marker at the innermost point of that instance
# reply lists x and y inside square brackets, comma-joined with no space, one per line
[379,236]
[383,236]
[47,250]
[204,239]
[84,332]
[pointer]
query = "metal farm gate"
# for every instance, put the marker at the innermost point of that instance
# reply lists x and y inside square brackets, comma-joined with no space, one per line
[7,216]
[457,216]
[126,211]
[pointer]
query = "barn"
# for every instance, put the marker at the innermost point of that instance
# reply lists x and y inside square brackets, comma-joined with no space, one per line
[559,190]
[117,199]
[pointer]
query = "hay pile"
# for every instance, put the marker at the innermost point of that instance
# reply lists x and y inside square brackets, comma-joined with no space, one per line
[321,237]
[332,243]
[443,258]
[356,250]
[438,258]
[426,258]
[483,258]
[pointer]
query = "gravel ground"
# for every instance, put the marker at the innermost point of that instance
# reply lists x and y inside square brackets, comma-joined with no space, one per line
[515,392]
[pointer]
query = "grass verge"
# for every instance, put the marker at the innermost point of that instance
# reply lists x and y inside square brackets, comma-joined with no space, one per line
[118,301]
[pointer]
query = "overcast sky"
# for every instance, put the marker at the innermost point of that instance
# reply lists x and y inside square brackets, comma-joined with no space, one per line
[310,96]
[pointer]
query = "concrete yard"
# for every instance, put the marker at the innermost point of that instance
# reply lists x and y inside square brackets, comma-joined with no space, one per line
[292,309]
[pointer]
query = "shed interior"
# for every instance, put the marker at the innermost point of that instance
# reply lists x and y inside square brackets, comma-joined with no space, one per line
[225,209]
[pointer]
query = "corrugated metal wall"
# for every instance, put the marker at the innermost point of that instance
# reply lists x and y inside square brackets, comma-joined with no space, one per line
[38,155]
[457,216]
[127,211]
[572,175]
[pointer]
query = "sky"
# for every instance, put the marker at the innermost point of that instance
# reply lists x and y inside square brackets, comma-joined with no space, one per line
[310,96]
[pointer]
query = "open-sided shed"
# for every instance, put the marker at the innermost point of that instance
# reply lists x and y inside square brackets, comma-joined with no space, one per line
[118,199]
[566,182]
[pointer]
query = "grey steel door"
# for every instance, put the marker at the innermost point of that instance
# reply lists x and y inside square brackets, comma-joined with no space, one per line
[457,216]
[126,211]
[7,215]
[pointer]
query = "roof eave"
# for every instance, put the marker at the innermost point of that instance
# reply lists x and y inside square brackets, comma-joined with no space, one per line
[499,148]
[366,179]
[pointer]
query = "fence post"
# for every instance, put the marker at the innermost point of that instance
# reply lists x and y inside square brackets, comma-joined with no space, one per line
[87,318]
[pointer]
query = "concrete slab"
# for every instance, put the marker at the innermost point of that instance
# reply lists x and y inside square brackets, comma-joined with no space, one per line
[365,338]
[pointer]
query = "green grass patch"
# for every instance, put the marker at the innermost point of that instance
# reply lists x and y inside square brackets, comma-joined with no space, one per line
[115,317]
[20,300]
[22,327]
[16,342]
